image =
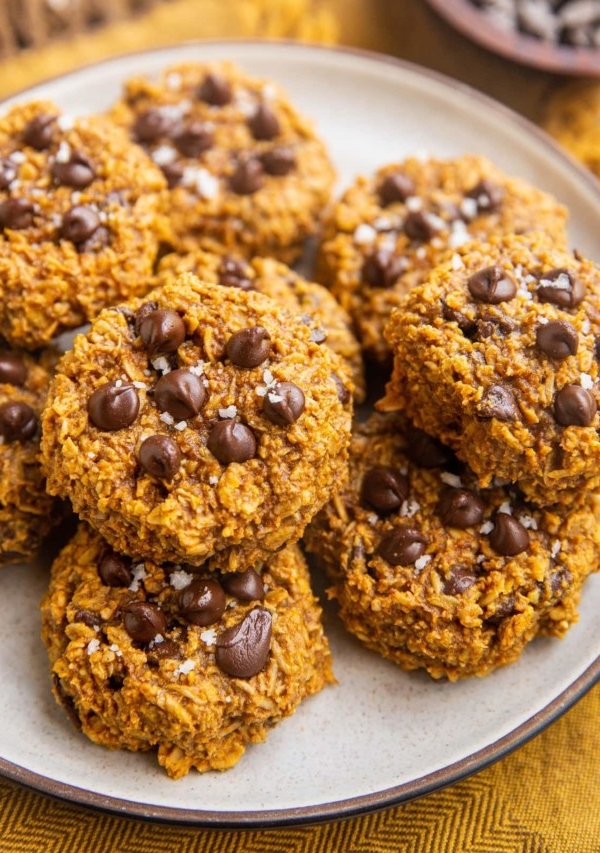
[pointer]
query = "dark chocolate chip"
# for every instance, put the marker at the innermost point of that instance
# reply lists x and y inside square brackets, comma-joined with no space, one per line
[75,172]
[16,214]
[283,404]
[459,579]
[383,268]
[173,172]
[215,90]
[488,196]
[243,650]
[428,452]
[279,161]
[97,241]
[560,287]
[492,285]
[574,406]
[162,331]
[202,602]
[395,187]
[245,586]
[233,272]
[402,546]
[460,508]
[115,570]
[160,457]
[153,123]
[499,402]
[420,225]
[39,132]
[180,393]
[508,537]
[467,326]
[557,339]
[248,177]
[503,607]
[113,406]
[144,621]
[161,651]
[249,347]
[343,393]
[8,172]
[264,124]
[18,421]
[143,311]
[87,617]
[194,139]
[384,488]
[79,223]
[66,701]
[12,368]
[229,441]
[318,336]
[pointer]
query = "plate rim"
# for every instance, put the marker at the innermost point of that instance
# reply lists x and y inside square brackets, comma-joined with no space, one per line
[392,796]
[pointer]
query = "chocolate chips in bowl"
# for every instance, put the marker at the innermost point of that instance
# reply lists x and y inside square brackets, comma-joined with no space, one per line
[561,36]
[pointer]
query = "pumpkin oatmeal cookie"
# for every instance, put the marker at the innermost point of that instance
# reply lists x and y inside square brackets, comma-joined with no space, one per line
[200,424]
[172,659]
[390,229]
[496,354]
[81,220]
[247,172]
[433,572]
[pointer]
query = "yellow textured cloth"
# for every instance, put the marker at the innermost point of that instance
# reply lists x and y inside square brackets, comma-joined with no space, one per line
[540,799]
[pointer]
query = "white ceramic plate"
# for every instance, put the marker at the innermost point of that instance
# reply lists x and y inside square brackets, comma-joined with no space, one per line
[380,736]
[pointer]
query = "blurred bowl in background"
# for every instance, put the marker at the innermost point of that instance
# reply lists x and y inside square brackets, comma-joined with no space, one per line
[479,25]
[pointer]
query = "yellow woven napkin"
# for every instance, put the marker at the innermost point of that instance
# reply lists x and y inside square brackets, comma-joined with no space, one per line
[540,799]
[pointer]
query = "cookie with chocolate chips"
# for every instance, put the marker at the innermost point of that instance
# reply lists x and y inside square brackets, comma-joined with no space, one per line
[247,172]
[389,229]
[203,423]
[508,331]
[27,512]
[329,323]
[436,573]
[171,658]
[81,221]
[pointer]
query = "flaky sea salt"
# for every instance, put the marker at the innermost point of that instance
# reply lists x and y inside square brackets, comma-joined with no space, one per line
[421,562]
[556,546]
[451,479]
[486,527]
[163,155]
[114,648]
[409,508]
[93,646]
[167,418]
[185,667]
[364,234]
[529,522]
[586,381]
[180,579]
[505,507]
[138,574]
[228,412]
[209,636]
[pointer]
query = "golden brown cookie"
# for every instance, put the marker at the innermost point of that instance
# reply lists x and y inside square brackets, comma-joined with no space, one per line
[328,322]
[192,665]
[81,220]
[203,424]
[433,572]
[496,355]
[246,170]
[389,229]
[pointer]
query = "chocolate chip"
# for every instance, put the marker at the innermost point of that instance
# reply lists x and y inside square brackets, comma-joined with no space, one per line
[249,347]
[560,287]
[8,172]
[488,196]
[173,172]
[113,406]
[39,132]
[383,268]
[202,602]
[402,546]
[12,368]
[264,124]
[160,457]
[283,404]
[16,214]
[97,241]
[87,617]
[18,421]
[557,339]
[215,90]
[428,452]
[420,225]
[245,586]
[115,570]
[343,394]
[508,537]
[247,178]
[144,621]
[460,508]
[161,651]
[318,336]
[162,331]
[492,285]
[459,580]
[143,311]
[79,223]
[152,124]
[233,272]
[384,488]
[499,402]
[503,607]
[76,172]
[467,326]
[243,650]
[395,187]
[229,441]
[279,161]
[194,139]
[180,393]
[574,406]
